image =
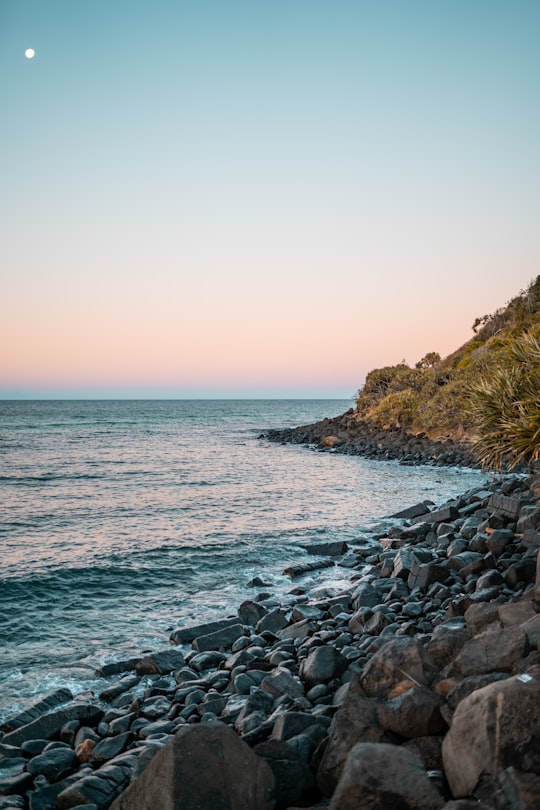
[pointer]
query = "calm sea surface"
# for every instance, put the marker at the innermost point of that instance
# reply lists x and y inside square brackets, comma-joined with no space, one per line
[122,519]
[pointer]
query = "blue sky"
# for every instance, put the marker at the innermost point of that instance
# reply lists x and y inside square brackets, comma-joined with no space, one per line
[254,198]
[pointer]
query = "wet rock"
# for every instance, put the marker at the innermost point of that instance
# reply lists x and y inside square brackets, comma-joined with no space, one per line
[492,729]
[205,766]
[273,621]
[53,764]
[219,640]
[160,663]
[118,688]
[185,635]
[304,568]
[49,702]
[109,748]
[99,788]
[251,612]
[331,549]
[50,724]
[116,667]
[382,776]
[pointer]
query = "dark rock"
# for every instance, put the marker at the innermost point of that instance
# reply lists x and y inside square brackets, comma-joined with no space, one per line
[417,510]
[45,705]
[205,766]
[273,621]
[50,724]
[109,748]
[443,515]
[415,713]
[160,663]
[99,788]
[397,660]
[304,568]
[53,764]
[219,640]
[446,641]
[331,549]
[322,665]
[185,635]
[251,612]
[379,776]
[492,729]
[529,519]
[520,790]
[505,505]
[356,721]
[116,667]
[498,541]
[118,688]
[293,778]
[282,682]
[495,650]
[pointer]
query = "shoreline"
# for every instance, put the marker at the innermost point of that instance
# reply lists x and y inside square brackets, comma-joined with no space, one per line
[345,434]
[441,614]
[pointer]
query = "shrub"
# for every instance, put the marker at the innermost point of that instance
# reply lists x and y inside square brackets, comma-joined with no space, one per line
[505,406]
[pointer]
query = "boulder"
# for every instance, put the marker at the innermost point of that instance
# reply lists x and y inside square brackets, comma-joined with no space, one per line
[292,776]
[251,612]
[415,713]
[160,663]
[497,649]
[204,767]
[53,764]
[331,549]
[396,660]
[123,685]
[219,640]
[46,704]
[355,721]
[378,776]
[185,635]
[322,665]
[492,729]
[50,724]
[99,788]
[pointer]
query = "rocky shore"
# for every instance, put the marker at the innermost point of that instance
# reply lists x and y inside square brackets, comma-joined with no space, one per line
[415,686]
[347,434]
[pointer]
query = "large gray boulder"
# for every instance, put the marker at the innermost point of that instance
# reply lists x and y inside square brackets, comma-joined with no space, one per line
[398,660]
[497,649]
[204,767]
[356,721]
[492,729]
[384,777]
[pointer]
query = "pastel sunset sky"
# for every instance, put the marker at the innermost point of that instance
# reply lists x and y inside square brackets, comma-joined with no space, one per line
[255,197]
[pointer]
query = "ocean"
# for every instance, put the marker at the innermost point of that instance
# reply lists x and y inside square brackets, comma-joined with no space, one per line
[120,520]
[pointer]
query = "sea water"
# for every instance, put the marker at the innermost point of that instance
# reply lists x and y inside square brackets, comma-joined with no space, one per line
[120,520]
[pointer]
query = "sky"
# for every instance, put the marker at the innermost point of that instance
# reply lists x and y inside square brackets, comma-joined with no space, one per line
[250,198]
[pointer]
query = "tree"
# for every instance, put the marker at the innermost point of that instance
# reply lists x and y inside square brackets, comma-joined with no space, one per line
[429,360]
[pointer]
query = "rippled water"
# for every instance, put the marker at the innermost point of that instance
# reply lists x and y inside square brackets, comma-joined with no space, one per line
[122,519]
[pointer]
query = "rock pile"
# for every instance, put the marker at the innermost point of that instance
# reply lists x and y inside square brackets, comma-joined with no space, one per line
[347,434]
[416,686]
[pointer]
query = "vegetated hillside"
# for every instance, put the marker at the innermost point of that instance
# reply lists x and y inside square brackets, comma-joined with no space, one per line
[434,396]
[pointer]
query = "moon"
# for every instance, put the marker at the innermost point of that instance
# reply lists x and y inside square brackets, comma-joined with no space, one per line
[29,53]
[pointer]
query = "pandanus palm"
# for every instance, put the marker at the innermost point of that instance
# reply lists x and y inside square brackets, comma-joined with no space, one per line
[506,408]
